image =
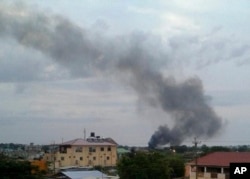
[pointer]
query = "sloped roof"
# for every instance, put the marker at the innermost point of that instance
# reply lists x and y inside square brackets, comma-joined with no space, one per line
[223,159]
[122,150]
[93,174]
[110,140]
[88,142]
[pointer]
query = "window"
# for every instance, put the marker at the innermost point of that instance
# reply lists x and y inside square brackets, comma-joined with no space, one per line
[109,148]
[81,158]
[91,149]
[63,150]
[102,148]
[62,158]
[107,158]
[94,158]
[78,149]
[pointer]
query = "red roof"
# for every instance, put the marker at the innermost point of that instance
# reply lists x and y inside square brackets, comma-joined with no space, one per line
[224,159]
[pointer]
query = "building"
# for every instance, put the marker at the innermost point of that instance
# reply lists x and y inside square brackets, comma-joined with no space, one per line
[40,166]
[216,165]
[91,174]
[93,151]
[121,151]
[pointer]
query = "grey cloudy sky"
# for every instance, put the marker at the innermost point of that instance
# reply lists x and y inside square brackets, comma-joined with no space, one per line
[68,66]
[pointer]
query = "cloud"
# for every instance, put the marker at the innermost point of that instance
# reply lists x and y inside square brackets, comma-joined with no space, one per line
[26,64]
[141,10]
[178,22]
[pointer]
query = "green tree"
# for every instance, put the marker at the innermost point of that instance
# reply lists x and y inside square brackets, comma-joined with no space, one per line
[219,149]
[141,165]
[180,149]
[243,148]
[15,169]
[176,163]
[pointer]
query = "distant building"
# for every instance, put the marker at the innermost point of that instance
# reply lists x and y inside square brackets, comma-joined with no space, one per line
[33,151]
[121,151]
[93,151]
[40,166]
[216,165]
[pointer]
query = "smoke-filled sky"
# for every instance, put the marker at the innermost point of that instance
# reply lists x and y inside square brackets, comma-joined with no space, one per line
[125,69]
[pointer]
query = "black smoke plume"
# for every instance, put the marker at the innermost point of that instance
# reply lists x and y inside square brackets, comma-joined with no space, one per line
[133,58]
[185,102]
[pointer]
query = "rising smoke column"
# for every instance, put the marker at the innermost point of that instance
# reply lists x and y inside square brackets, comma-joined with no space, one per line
[78,50]
[185,101]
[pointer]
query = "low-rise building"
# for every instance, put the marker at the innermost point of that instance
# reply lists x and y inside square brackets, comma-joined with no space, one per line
[216,165]
[83,174]
[122,151]
[93,151]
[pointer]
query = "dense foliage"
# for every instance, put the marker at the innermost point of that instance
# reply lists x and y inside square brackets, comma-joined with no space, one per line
[141,165]
[15,169]
[177,165]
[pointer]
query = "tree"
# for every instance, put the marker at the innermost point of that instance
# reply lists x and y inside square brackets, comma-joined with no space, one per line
[180,149]
[12,169]
[176,163]
[141,165]
[243,148]
[219,149]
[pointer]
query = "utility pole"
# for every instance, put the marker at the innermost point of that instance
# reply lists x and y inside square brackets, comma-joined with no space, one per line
[54,160]
[195,142]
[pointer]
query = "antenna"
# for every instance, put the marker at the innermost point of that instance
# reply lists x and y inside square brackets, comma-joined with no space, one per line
[84,133]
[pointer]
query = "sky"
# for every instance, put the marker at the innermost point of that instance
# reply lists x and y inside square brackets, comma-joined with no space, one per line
[93,65]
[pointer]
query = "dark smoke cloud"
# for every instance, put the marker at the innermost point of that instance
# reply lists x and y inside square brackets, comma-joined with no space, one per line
[54,36]
[127,57]
[185,101]
[193,116]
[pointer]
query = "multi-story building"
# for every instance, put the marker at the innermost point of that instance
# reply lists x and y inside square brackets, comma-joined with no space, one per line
[93,151]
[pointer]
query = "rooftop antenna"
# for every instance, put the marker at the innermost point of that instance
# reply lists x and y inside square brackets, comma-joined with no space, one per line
[84,133]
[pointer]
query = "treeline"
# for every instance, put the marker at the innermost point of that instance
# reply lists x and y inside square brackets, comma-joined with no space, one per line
[201,149]
[12,146]
[209,149]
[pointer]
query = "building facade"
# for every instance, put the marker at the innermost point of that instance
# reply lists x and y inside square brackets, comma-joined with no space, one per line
[93,151]
[216,165]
